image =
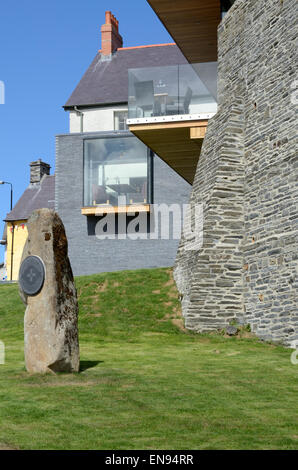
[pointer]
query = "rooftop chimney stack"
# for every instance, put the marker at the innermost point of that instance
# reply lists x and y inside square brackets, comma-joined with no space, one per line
[37,170]
[110,37]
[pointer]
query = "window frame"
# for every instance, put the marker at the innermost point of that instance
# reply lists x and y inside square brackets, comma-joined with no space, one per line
[124,111]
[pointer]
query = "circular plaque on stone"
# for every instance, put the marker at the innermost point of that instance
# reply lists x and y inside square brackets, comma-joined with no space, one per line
[32,275]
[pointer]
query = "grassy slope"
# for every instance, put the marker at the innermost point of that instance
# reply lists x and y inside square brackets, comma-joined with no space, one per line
[145,384]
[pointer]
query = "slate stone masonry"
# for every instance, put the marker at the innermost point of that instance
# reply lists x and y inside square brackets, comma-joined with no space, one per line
[246,178]
[37,170]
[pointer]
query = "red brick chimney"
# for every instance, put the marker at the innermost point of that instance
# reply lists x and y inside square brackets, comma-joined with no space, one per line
[110,37]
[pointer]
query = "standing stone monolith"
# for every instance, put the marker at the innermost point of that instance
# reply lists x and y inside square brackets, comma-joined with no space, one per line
[51,317]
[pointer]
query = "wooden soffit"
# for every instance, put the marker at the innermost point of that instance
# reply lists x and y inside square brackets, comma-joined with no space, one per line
[177,143]
[192,24]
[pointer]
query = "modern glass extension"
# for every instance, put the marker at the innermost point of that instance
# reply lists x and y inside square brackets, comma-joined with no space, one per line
[116,169]
[172,93]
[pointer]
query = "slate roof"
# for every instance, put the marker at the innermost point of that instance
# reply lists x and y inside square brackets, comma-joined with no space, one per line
[36,196]
[106,81]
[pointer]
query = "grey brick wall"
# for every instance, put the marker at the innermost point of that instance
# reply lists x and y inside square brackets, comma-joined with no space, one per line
[90,255]
[247,180]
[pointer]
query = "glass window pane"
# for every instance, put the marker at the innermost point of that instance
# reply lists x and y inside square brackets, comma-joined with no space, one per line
[113,168]
[172,90]
[194,96]
[151,91]
[120,118]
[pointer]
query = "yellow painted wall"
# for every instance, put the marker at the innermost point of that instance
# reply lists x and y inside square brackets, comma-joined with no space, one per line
[20,237]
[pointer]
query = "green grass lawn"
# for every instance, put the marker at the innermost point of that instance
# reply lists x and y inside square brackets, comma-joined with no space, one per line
[144,382]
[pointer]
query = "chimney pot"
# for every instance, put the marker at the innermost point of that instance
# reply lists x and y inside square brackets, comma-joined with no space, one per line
[108,17]
[110,37]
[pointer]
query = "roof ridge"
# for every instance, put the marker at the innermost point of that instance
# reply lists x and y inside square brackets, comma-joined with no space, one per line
[140,47]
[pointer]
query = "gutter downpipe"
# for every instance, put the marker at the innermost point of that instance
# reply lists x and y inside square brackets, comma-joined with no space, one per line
[81,114]
[12,247]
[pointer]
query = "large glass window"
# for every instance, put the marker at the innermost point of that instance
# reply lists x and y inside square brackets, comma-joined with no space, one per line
[116,167]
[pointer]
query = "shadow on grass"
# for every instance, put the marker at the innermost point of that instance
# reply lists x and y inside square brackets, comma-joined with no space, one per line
[84,365]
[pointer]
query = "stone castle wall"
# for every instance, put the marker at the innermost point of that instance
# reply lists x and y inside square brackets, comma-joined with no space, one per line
[246,270]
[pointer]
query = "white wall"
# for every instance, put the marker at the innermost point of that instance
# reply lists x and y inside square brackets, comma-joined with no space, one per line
[95,119]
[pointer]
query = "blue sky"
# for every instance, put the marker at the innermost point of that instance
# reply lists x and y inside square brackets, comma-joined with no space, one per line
[46,47]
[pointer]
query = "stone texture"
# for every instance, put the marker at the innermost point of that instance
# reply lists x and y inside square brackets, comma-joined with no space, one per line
[51,317]
[231,330]
[37,170]
[246,179]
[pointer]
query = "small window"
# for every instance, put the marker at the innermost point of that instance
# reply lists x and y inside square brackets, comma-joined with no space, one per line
[120,118]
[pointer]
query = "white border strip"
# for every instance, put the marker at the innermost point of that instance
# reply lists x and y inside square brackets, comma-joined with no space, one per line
[176,117]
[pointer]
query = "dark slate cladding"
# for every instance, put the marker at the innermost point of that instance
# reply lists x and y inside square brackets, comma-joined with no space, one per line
[106,81]
[37,196]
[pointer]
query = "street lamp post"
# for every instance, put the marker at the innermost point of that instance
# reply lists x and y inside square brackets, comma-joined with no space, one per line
[11,193]
[12,241]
